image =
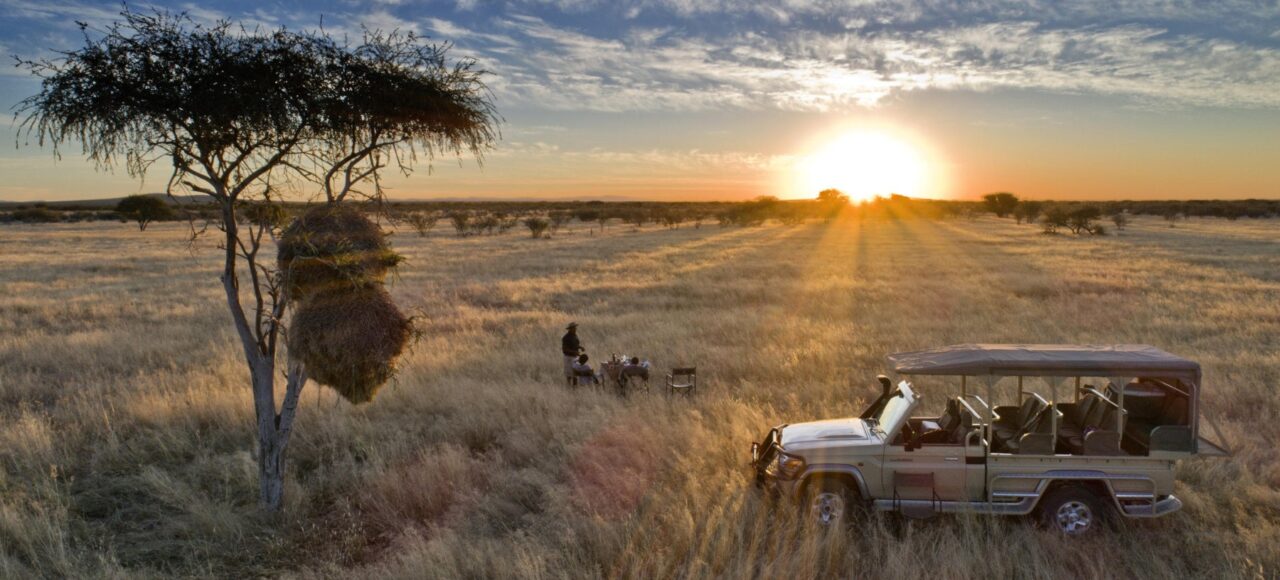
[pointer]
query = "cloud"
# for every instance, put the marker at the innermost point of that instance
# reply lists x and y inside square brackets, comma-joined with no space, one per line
[662,69]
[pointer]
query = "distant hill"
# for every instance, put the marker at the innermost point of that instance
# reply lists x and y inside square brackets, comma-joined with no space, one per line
[104,203]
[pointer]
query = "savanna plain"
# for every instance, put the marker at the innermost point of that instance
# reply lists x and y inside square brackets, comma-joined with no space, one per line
[126,428]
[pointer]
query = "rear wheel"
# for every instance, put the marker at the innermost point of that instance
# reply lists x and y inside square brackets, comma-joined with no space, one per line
[1073,511]
[831,502]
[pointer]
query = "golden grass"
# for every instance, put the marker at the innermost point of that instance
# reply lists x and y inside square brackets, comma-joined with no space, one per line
[127,428]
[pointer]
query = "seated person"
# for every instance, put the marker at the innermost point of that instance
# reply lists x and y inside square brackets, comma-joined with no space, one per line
[583,371]
[635,368]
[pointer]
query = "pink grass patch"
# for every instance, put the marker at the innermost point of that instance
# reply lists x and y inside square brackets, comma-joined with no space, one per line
[614,469]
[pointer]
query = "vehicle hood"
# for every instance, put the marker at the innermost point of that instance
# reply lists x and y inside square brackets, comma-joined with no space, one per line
[825,433]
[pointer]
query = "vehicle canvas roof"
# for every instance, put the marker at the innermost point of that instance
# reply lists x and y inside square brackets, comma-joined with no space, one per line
[1046,360]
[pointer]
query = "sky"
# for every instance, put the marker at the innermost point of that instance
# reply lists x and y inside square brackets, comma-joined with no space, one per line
[732,99]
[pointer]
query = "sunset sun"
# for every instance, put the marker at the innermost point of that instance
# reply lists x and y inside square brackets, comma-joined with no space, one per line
[864,164]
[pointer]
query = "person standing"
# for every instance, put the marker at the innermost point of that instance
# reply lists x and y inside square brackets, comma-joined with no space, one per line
[571,347]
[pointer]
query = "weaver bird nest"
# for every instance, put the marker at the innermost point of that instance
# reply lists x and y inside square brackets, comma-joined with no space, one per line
[346,329]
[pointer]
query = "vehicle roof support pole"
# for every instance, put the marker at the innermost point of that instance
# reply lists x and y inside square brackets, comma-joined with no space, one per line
[964,384]
[1077,389]
[1053,405]
[1119,384]
[991,381]
[1019,392]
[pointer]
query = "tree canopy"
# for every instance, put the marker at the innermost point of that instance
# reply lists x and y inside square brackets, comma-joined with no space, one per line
[1000,203]
[144,209]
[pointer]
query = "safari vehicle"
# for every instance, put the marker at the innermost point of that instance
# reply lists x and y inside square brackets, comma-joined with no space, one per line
[1100,437]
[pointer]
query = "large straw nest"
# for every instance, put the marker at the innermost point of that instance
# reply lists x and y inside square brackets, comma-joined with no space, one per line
[350,339]
[331,247]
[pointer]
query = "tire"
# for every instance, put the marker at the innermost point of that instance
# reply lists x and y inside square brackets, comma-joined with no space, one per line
[1072,511]
[830,503]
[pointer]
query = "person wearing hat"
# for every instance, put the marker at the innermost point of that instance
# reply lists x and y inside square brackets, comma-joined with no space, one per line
[572,347]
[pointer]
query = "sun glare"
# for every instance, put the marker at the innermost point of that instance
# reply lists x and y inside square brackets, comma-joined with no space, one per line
[864,164]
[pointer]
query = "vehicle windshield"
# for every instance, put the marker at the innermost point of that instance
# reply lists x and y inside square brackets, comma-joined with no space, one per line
[896,409]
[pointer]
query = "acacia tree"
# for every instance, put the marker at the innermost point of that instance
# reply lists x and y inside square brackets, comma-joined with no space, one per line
[144,209]
[249,118]
[1000,203]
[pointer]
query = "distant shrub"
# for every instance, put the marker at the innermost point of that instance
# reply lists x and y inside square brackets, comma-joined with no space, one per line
[506,222]
[558,219]
[422,222]
[1172,215]
[1120,220]
[270,215]
[537,226]
[486,224]
[461,222]
[35,215]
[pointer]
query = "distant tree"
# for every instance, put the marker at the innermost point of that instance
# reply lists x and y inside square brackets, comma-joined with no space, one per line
[697,217]
[587,215]
[833,197]
[558,219]
[537,226]
[144,209]
[1027,211]
[422,222]
[1081,219]
[637,217]
[603,220]
[1054,217]
[671,218]
[229,109]
[831,202]
[1120,219]
[1172,215]
[1001,203]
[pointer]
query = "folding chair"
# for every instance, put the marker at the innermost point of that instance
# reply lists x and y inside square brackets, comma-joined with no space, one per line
[632,382]
[683,380]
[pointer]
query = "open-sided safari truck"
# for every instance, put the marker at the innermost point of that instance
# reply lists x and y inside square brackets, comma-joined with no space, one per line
[1094,430]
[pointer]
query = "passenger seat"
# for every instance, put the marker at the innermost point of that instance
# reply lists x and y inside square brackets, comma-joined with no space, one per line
[1014,421]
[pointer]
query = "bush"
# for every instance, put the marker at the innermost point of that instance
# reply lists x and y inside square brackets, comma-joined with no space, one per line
[537,226]
[35,215]
[422,222]
[506,222]
[558,219]
[461,222]
[1121,220]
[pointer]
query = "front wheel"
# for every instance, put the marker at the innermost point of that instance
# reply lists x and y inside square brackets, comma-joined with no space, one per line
[1073,511]
[830,503]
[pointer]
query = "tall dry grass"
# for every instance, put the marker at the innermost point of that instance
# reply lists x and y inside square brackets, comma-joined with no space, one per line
[126,431]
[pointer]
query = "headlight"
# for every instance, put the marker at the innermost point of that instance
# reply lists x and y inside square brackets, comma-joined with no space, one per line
[790,465]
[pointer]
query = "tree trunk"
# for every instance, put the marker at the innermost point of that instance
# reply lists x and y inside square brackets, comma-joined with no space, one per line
[274,429]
